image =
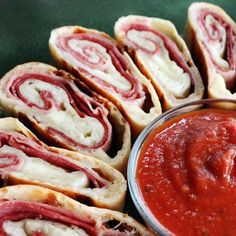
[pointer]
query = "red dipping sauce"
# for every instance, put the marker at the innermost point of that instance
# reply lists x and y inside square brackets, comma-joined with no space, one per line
[186,173]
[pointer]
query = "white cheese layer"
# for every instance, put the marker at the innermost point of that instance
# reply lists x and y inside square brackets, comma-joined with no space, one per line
[95,52]
[62,117]
[217,46]
[38,170]
[27,227]
[159,65]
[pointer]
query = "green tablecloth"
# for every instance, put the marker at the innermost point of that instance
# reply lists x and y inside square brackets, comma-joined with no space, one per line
[25,25]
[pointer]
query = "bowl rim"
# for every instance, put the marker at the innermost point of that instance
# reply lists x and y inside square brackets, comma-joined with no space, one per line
[135,192]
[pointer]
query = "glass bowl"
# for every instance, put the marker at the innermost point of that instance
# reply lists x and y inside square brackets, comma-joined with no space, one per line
[135,191]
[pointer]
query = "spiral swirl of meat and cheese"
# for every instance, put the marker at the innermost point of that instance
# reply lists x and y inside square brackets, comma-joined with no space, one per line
[95,58]
[31,210]
[211,34]
[25,159]
[58,109]
[162,56]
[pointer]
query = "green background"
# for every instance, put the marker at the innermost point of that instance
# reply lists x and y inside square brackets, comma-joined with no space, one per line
[25,25]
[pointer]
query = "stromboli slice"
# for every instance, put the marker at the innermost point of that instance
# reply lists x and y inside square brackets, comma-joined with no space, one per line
[162,55]
[25,159]
[31,210]
[66,112]
[211,35]
[95,58]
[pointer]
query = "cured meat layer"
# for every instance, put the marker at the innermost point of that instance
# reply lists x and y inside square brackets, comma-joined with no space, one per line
[95,58]
[211,35]
[25,159]
[162,56]
[31,210]
[66,113]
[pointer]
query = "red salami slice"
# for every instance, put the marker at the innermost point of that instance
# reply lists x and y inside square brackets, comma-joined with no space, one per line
[95,58]
[162,56]
[211,35]
[25,159]
[66,113]
[30,210]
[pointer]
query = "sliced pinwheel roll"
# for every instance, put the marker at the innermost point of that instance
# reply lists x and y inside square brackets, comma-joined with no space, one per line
[66,113]
[211,35]
[162,55]
[32,210]
[95,58]
[25,159]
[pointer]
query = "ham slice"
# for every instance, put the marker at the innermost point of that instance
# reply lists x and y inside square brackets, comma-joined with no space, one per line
[25,159]
[66,113]
[95,58]
[211,35]
[31,210]
[162,56]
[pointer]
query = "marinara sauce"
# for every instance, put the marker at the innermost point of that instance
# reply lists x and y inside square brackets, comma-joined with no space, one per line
[187,174]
